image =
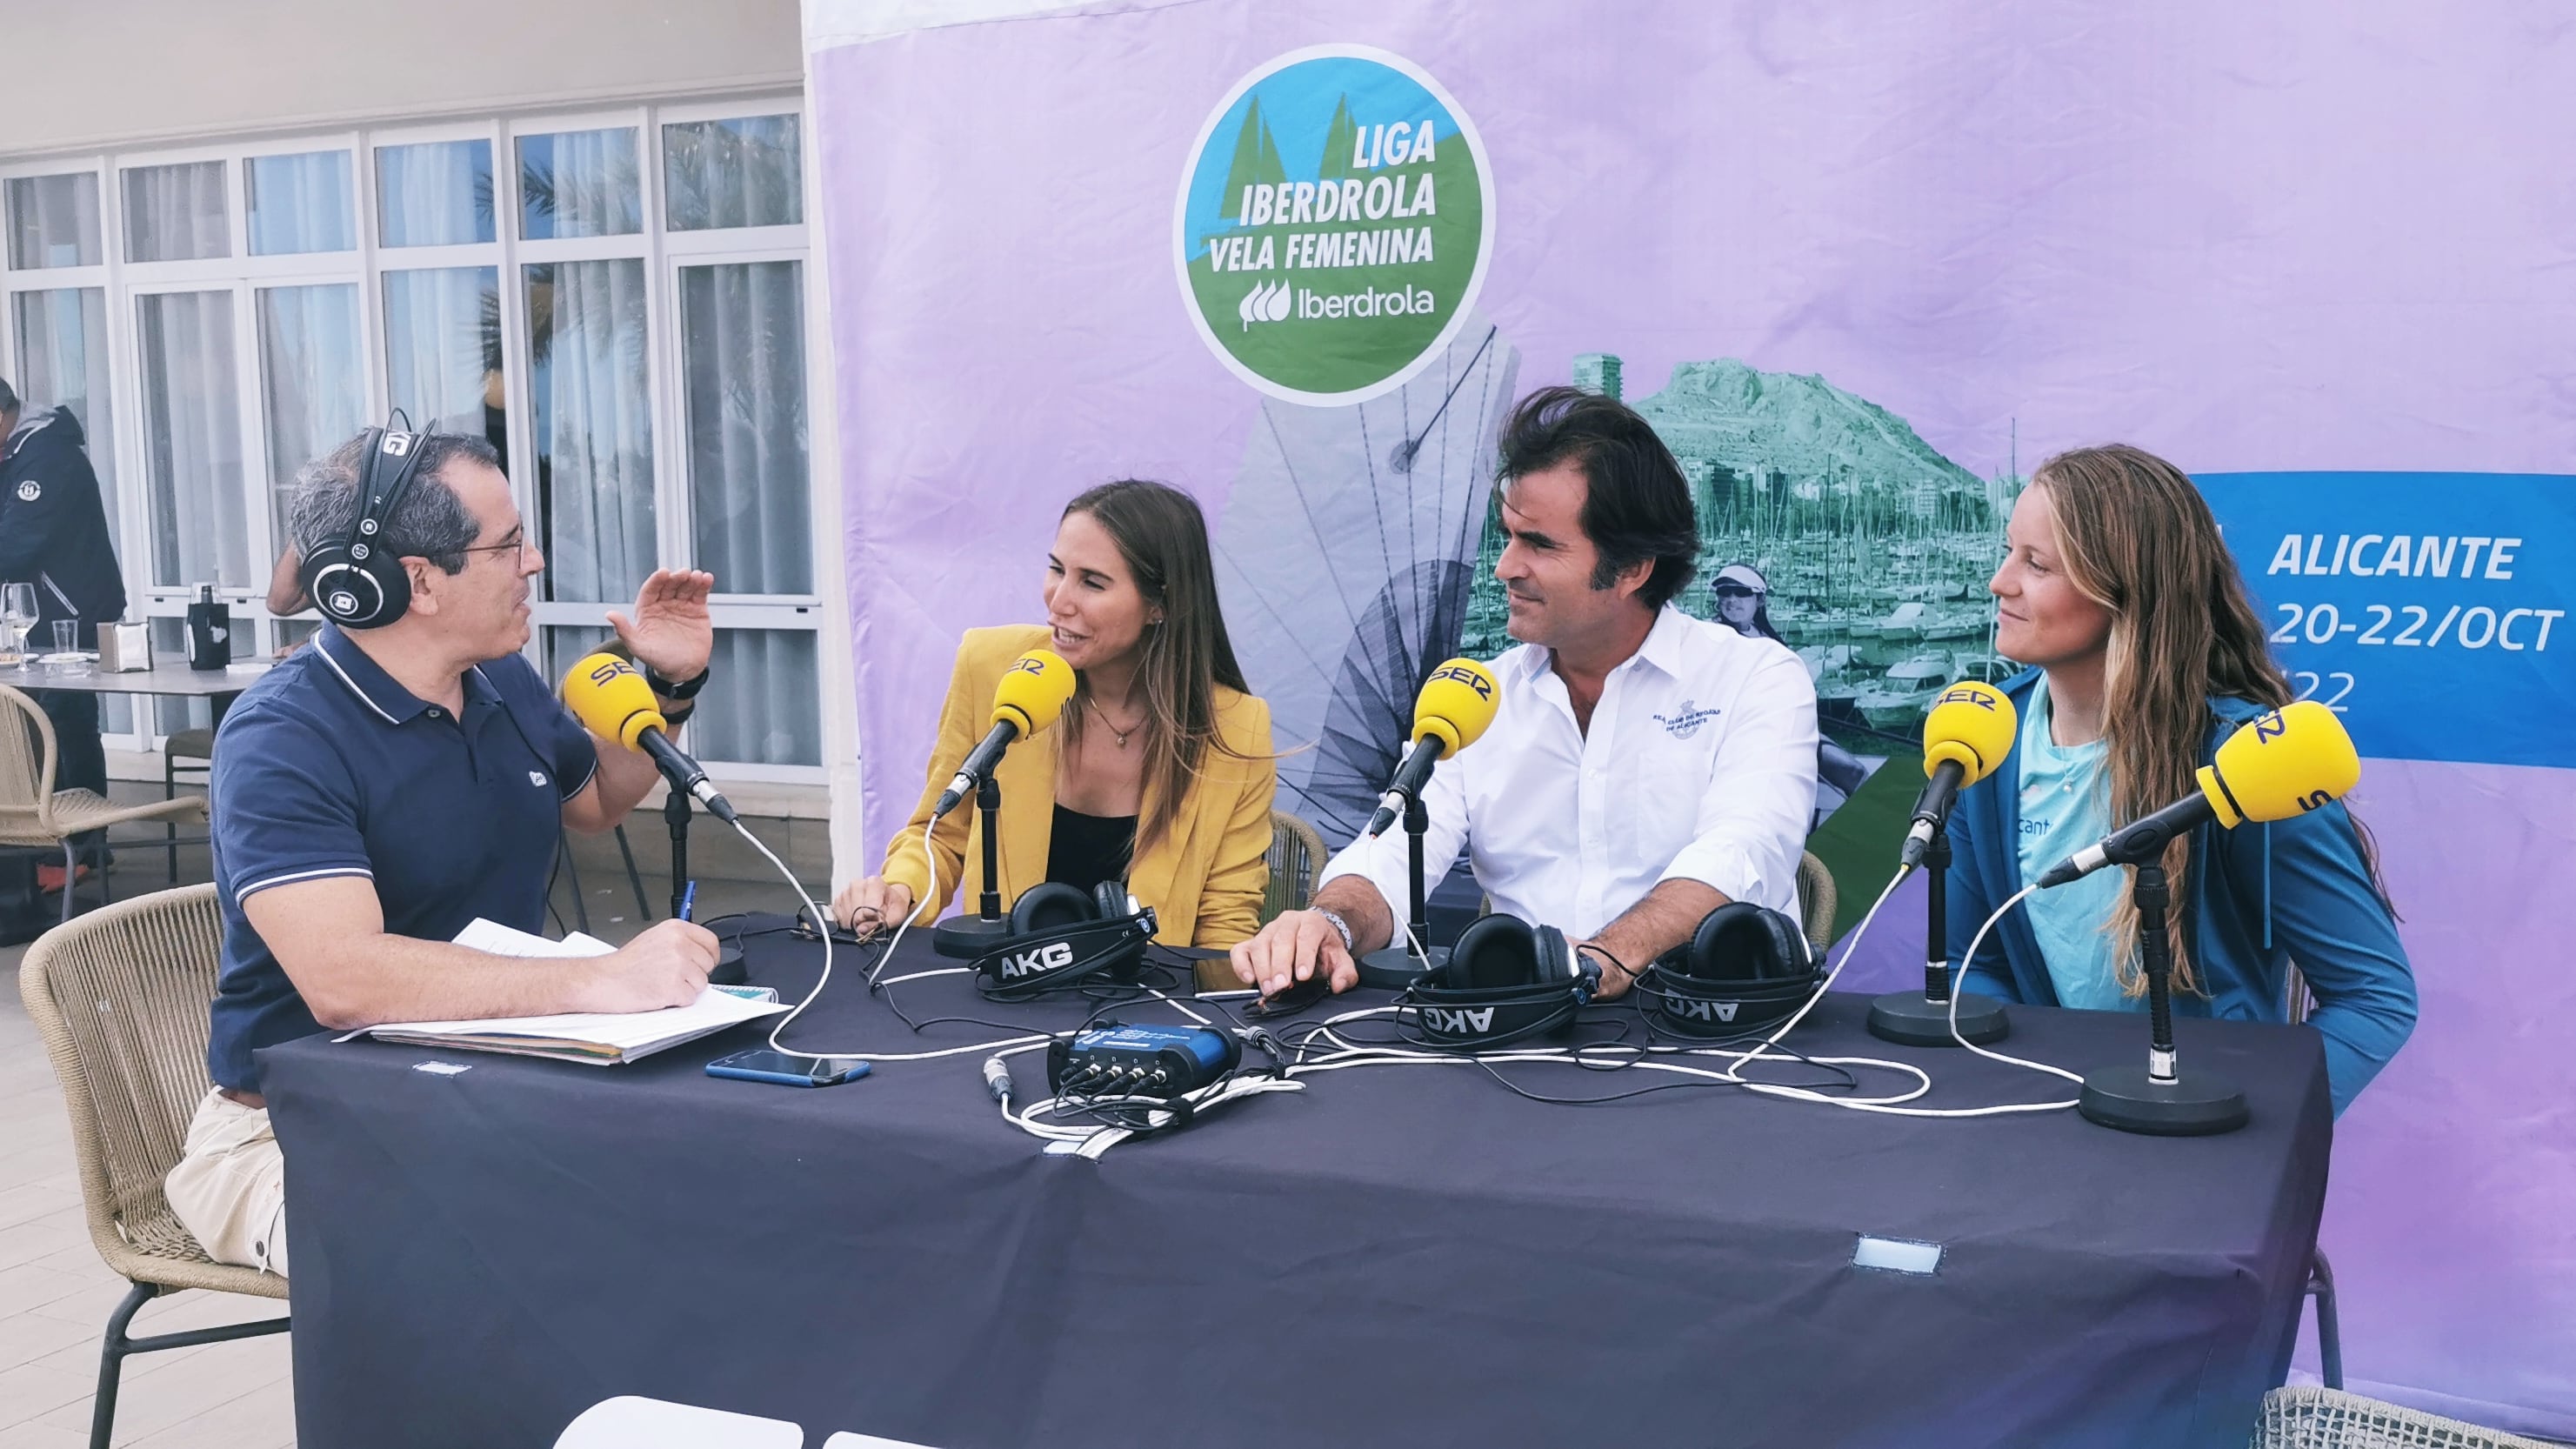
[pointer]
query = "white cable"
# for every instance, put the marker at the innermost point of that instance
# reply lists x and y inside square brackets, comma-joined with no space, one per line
[1959,981]
[1851,943]
[1014,1043]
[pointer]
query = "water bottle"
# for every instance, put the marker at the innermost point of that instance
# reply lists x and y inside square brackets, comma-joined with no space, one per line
[210,631]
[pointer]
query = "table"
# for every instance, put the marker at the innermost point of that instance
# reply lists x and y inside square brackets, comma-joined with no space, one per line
[219,685]
[1398,1256]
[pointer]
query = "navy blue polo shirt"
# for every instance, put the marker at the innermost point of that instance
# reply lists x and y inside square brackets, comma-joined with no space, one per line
[327,767]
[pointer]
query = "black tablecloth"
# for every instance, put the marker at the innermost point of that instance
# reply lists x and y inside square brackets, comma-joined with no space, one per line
[1401,1255]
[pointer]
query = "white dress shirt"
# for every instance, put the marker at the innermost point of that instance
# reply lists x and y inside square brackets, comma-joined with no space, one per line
[1700,765]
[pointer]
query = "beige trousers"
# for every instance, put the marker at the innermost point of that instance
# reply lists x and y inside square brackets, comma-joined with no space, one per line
[229,1189]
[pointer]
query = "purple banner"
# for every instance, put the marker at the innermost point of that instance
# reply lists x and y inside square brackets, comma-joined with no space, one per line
[1863,269]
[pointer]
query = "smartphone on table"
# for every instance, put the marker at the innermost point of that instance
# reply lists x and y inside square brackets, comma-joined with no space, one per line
[778,1068]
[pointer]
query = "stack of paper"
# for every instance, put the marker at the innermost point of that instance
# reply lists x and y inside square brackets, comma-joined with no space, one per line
[599,1038]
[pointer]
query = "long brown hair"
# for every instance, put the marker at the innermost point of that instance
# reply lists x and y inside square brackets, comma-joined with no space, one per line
[1163,537]
[2138,539]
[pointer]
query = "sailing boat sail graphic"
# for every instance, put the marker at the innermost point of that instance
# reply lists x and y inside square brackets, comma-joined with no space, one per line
[1345,572]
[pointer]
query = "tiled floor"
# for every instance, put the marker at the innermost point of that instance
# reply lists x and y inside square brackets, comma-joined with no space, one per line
[55,1295]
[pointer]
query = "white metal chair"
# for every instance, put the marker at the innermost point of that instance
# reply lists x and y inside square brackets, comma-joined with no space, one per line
[2304,1416]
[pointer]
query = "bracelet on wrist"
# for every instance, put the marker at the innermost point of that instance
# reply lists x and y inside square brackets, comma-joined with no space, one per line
[682,690]
[674,718]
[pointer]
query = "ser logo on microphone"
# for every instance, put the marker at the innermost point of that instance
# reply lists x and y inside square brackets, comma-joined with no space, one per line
[1053,956]
[608,669]
[1960,694]
[1458,1020]
[1457,674]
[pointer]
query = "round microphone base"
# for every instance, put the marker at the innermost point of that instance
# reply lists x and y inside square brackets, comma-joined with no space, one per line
[965,938]
[2196,1105]
[728,970]
[1912,1019]
[1395,967]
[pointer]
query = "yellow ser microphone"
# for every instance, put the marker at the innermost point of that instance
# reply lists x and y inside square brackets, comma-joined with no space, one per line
[612,701]
[1456,705]
[2286,763]
[1967,734]
[1031,696]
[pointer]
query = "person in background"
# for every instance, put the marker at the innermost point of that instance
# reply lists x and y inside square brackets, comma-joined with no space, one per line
[1744,604]
[1160,772]
[2144,653]
[54,535]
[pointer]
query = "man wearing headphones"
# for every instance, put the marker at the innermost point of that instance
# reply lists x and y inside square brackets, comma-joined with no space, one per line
[378,791]
[1644,767]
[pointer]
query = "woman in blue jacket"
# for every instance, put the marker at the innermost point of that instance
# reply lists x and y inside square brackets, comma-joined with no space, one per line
[2145,653]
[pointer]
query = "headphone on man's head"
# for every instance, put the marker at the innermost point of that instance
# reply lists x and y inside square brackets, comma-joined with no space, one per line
[1061,935]
[1505,981]
[357,582]
[1745,968]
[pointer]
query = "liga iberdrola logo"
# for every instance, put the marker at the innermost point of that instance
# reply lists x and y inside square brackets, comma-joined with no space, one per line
[1333,225]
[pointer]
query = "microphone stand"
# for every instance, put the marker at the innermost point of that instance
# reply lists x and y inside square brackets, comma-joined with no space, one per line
[1924,1019]
[1395,967]
[2157,1100]
[968,937]
[675,814]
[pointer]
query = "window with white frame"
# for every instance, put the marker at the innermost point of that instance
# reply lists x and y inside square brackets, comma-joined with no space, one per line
[615,298]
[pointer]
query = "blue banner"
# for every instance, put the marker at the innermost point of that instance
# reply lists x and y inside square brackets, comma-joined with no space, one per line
[2431,610]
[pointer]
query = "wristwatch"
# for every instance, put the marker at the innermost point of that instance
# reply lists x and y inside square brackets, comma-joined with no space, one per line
[1334,919]
[668,689]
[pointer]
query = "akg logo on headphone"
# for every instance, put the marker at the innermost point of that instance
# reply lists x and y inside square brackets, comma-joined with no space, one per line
[1457,674]
[1458,1020]
[1701,1010]
[1054,956]
[397,445]
[344,602]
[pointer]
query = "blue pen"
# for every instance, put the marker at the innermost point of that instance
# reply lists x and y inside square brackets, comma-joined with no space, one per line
[688,898]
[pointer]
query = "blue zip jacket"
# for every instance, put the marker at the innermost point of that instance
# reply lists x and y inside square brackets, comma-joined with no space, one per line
[2260,898]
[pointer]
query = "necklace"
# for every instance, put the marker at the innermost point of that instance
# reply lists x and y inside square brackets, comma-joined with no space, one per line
[1112,725]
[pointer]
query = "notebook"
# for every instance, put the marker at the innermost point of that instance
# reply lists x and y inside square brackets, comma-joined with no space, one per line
[596,1038]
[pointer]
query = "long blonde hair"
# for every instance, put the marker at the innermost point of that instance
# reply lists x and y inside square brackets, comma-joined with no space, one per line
[1162,535]
[2138,539]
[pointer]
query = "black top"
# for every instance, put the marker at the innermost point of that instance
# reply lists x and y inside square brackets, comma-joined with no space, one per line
[1088,849]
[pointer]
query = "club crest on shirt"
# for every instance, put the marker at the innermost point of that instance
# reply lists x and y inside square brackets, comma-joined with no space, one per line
[536,777]
[30,490]
[1685,722]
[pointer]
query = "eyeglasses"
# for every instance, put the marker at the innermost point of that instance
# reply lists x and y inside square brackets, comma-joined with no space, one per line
[516,543]
[1735,591]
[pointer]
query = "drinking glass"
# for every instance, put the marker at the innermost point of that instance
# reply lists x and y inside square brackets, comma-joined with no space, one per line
[17,611]
[67,647]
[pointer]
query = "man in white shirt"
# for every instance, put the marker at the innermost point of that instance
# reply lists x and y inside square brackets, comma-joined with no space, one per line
[1643,769]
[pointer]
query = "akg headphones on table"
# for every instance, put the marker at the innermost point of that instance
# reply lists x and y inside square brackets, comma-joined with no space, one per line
[356,581]
[1505,981]
[1061,935]
[1744,969]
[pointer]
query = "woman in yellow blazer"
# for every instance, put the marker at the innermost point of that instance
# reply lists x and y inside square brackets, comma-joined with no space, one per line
[1160,771]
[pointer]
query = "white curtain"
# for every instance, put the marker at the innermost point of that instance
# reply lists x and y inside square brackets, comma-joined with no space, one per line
[580,183]
[442,345]
[310,376]
[192,441]
[175,213]
[769,710]
[301,203]
[53,221]
[438,193]
[743,330]
[593,427]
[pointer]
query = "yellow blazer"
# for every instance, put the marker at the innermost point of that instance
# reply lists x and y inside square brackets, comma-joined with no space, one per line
[1204,879]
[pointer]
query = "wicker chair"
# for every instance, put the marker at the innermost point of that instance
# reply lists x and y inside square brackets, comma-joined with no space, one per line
[33,812]
[1296,856]
[120,999]
[2307,1417]
[1816,893]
